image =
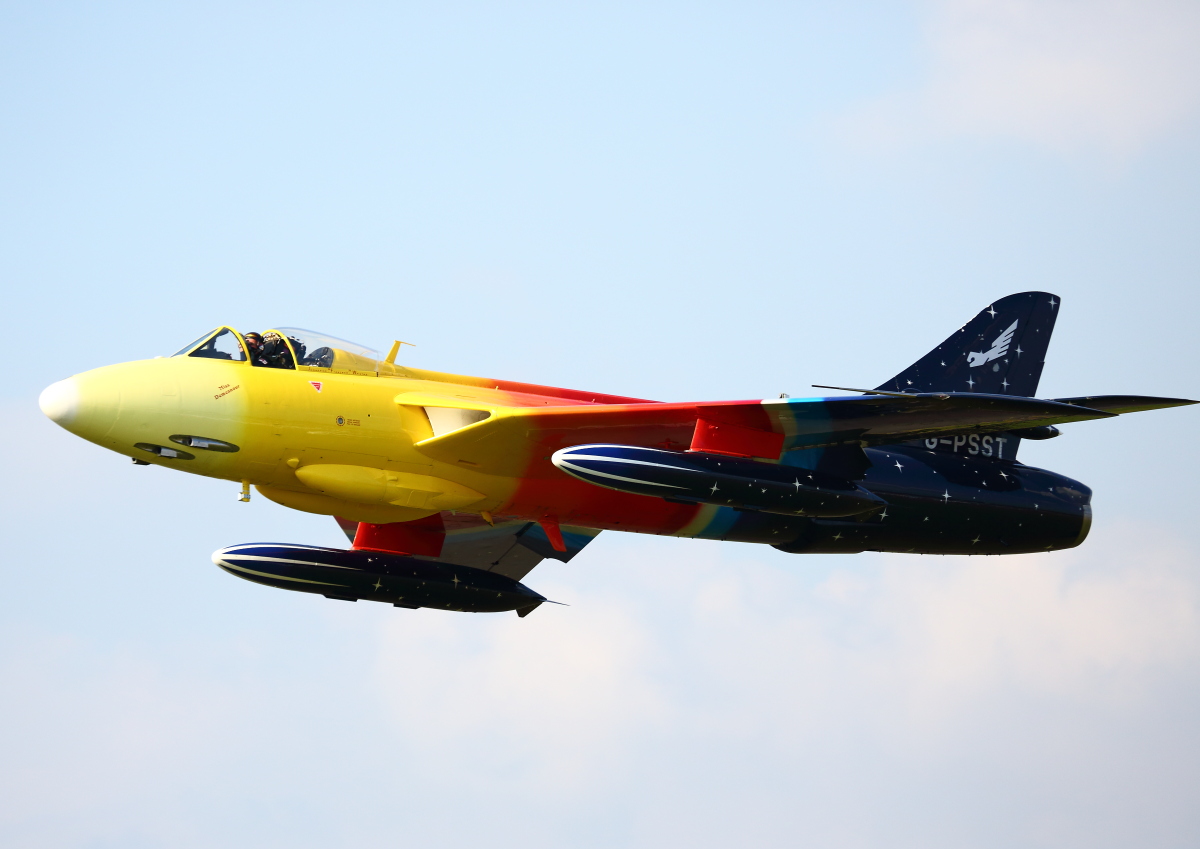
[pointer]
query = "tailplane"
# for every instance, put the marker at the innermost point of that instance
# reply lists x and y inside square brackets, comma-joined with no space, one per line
[1001,351]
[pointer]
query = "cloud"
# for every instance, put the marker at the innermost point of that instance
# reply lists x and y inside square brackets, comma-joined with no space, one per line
[1105,77]
[1041,673]
[88,730]
[545,705]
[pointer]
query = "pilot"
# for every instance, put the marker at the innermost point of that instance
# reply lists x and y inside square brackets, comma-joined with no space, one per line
[268,351]
[255,343]
[275,351]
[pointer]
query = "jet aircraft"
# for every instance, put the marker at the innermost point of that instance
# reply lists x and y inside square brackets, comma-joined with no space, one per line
[452,488]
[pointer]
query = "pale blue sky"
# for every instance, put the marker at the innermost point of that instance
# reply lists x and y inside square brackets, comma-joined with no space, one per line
[672,201]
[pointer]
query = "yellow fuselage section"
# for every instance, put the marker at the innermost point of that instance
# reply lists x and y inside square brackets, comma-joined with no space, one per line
[316,440]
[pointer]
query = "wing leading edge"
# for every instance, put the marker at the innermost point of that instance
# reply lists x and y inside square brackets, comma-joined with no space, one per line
[510,437]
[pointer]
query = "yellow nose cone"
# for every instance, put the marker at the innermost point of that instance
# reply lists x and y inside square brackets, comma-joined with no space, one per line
[60,401]
[87,404]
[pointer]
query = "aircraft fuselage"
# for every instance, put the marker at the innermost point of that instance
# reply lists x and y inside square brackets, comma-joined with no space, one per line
[344,444]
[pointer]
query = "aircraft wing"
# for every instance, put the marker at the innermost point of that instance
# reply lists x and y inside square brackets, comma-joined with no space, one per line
[512,440]
[511,549]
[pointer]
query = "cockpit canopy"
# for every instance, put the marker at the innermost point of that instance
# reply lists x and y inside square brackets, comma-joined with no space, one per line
[219,344]
[287,348]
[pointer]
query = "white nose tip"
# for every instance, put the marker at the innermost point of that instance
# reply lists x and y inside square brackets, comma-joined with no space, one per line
[60,401]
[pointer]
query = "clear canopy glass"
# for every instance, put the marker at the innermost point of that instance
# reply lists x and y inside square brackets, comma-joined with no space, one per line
[312,349]
[224,345]
[313,340]
[191,345]
[321,350]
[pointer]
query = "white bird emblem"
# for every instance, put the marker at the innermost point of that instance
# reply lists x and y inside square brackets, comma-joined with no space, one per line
[999,347]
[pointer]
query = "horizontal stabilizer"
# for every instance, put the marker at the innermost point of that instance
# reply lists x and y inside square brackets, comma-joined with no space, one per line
[1125,403]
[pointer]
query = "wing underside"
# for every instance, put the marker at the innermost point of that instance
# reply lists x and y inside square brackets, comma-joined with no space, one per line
[511,549]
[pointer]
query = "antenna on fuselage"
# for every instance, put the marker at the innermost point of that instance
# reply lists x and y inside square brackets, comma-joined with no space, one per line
[391,356]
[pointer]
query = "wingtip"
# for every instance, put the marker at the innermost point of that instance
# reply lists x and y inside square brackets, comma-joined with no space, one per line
[1119,404]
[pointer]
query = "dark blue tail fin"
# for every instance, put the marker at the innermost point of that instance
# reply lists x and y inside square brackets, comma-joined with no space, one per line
[1000,351]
